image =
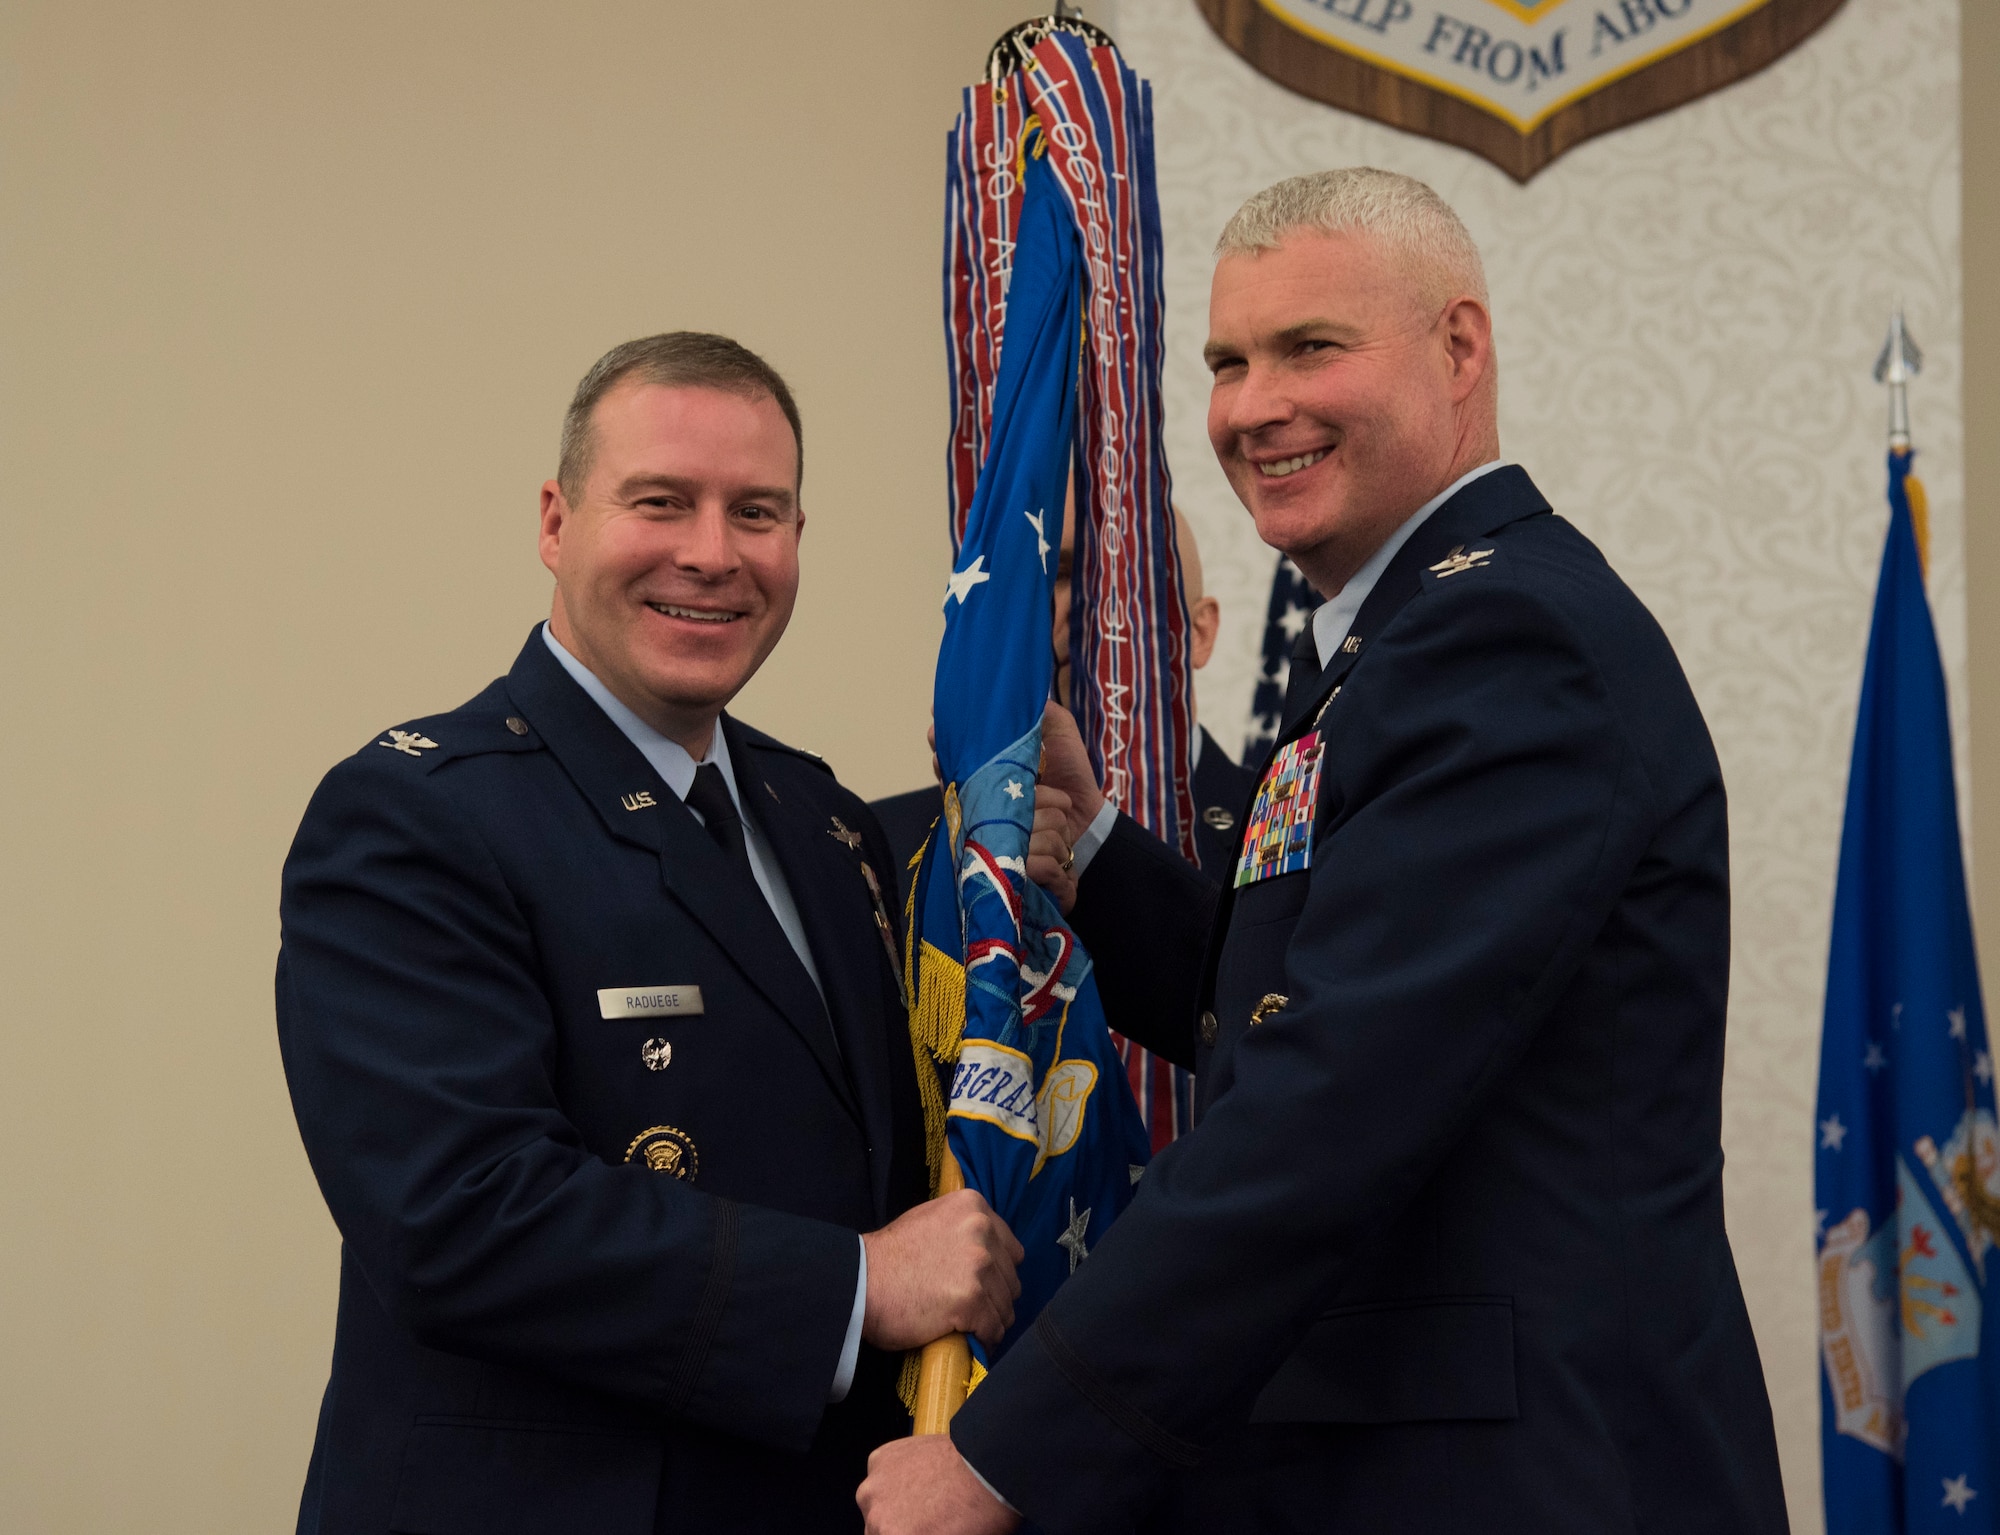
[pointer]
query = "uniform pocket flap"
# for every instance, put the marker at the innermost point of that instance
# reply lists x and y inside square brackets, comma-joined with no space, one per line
[1279,898]
[484,1478]
[1407,1362]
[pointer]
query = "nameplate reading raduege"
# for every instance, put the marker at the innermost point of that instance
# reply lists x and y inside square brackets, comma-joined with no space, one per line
[648,1001]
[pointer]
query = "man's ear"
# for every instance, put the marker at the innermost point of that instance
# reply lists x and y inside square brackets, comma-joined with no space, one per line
[1468,339]
[1204,622]
[555,512]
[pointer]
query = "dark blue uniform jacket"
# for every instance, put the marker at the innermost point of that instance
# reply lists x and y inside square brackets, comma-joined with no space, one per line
[578,1293]
[1445,1251]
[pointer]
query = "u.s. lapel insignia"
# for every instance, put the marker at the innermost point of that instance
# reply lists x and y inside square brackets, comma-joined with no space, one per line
[411,743]
[666,1150]
[1458,562]
[641,799]
[850,839]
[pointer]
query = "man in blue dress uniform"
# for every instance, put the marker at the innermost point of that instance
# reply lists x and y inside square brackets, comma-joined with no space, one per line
[590,1007]
[1444,1252]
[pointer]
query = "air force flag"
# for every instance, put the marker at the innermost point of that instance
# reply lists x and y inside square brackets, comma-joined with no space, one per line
[1907,1169]
[1039,1115]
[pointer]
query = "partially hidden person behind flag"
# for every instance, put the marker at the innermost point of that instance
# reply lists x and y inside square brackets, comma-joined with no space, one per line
[590,1008]
[1444,1251]
[1221,784]
[1906,1151]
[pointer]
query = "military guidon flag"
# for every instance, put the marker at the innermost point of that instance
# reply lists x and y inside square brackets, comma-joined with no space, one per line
[1052,295]
[1132,688]
[1906,1155]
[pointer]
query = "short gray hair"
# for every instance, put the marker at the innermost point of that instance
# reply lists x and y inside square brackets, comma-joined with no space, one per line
[679,359]
[1400,211]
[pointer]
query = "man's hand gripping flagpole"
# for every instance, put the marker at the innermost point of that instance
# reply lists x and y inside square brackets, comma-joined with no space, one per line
[946,1368]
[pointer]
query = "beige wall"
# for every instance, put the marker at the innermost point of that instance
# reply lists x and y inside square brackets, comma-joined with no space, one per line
[290,300]
[293,298]
[1980,121]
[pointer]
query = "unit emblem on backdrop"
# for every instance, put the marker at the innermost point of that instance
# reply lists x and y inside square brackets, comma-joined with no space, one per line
[1517,81]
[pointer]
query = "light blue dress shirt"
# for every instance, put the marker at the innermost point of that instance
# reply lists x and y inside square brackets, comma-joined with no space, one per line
[673,763]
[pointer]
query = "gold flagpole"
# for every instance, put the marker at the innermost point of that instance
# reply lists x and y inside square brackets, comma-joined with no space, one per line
[947,1363]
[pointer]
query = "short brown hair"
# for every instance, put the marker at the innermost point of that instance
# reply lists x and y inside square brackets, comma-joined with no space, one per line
[679,359]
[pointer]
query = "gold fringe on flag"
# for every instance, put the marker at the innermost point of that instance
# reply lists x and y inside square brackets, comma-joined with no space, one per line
[1920,519]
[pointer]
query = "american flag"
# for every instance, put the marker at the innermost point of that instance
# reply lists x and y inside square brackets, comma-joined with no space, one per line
[1285,618]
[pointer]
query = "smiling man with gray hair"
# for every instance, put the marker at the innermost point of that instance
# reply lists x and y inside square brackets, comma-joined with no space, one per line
[1444,1252]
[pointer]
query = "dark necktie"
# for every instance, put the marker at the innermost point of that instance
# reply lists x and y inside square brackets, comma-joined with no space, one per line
[709,795]
[1304,677]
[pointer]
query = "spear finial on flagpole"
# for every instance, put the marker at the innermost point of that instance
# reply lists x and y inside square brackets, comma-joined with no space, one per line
[1900,362]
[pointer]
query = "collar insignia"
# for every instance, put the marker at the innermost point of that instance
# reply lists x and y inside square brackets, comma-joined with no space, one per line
[1458,562]
[851,839]
[411,743]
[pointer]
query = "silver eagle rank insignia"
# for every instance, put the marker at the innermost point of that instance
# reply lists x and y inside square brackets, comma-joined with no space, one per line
[1458,562]
[411,743]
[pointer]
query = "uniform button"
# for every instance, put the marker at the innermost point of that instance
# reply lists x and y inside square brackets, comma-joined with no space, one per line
[1208,1029]
[516,724]
[656,1053]
[1218,818]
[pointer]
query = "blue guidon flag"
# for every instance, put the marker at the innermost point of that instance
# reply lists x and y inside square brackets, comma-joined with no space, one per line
[1060,84]
[1907,1162]
[1037,1110]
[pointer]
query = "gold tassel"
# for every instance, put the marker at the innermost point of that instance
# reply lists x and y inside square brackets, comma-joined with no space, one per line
[937,1025]
[1920,519]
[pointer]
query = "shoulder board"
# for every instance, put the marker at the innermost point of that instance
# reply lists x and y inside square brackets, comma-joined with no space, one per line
[762,742]
[444,737]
